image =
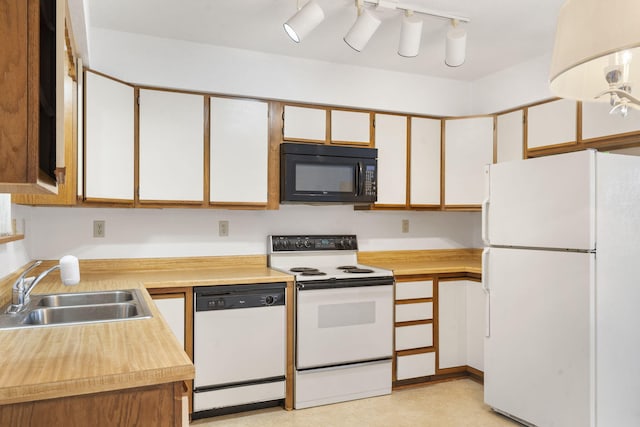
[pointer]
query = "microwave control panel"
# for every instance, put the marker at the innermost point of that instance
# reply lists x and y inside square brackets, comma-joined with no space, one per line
[370,181]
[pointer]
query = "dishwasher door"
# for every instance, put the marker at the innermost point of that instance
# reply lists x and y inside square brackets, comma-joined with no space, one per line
[239,345]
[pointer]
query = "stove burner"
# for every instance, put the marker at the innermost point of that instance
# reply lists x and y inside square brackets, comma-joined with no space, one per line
[302,269]
[358,270]
[313,273]
[347,267]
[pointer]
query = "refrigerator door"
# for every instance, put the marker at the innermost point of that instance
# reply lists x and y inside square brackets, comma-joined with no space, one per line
[539,349]
[546,202]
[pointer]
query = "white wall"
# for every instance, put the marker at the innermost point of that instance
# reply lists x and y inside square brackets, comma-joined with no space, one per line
[13,255]
[179,64]
[141,233]
[521,84]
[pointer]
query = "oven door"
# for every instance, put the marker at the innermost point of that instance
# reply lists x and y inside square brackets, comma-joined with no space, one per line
[340,325]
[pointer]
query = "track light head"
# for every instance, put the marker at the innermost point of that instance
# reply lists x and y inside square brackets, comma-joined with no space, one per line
[304,21]
[456,46]
[410,36]
[362,30]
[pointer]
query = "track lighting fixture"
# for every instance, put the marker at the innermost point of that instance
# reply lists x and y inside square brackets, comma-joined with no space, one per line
[304,21]
[367,23]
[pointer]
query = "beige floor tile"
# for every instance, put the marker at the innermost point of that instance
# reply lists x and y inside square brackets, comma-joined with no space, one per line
[456,403]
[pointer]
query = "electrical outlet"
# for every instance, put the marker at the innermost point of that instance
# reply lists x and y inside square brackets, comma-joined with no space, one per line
[98,228]
[405,225]
[223,228]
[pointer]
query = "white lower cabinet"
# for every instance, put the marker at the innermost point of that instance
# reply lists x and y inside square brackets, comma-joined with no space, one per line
[461,320]
[417,311]
[415,365]
[172,309]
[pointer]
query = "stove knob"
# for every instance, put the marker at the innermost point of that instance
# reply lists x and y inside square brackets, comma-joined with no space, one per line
[346,244]
[299,243]
[269,300]
[307,244]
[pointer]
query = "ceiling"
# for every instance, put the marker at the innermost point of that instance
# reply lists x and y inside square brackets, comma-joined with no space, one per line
[501,33]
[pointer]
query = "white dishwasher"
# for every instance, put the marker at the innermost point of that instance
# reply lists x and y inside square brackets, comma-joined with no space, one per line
[239,348]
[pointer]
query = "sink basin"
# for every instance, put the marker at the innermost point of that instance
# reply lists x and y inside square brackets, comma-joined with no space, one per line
[81,313]
[85,298]
[81,307]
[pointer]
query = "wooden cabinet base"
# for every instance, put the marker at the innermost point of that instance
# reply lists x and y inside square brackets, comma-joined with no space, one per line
[159,405]
[442,375]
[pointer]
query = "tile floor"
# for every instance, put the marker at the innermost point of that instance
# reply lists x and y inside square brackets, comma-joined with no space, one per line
[456,403]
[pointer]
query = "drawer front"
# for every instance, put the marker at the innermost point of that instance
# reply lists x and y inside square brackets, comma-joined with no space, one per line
[418,311]
[415,365]
[411,290]
[415,336]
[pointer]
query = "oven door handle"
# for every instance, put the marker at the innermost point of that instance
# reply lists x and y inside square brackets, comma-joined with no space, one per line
[344,283]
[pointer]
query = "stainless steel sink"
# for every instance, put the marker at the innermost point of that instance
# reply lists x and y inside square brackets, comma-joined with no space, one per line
[76,308]
[86,298]
[81,313]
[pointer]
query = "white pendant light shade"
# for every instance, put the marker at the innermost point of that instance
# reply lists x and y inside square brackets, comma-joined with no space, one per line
[362,30]
[304,21]
[410,36]
[455,49]
[597,49]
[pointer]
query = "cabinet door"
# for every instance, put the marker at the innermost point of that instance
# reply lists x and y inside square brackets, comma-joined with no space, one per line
[598,123]
[305,124]
[424,180]
[551,124]
[172,309]
[109,134]
[350,127]
[509,136]
[239,150]
[391,142]
[413,290]
[468,148]
[476,320]
[171,146]
[452,324]
[415,365]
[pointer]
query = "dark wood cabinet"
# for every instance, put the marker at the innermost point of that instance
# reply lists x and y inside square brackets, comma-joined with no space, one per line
[28,105]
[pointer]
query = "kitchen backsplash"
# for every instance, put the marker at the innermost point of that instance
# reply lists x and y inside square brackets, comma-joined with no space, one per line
[141,233]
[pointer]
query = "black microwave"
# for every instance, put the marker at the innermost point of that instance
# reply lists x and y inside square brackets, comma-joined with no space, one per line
[315,173]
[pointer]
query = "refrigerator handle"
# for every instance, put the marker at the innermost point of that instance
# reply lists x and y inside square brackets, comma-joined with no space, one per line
[485,221]
[485,288]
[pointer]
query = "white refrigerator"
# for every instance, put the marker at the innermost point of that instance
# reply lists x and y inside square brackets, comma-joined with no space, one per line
[561,270]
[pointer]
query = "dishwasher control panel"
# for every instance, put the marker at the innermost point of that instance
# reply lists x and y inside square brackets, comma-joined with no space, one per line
[238,296]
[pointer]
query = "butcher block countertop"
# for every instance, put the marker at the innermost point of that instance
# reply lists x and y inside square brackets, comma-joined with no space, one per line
[420,262]
[57,361]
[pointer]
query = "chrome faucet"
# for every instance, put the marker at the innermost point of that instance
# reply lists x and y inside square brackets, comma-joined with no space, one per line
[24,285]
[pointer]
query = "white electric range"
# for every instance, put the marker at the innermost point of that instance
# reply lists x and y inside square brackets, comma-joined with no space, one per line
[343,319]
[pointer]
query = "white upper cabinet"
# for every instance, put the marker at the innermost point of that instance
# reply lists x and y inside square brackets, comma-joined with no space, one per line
[509,133]
[109,139]
[305,124]
[425,161]
[171,146]
[350,127]
[598,123]
[552,123]
[239,150]
[391,142]
[468,148]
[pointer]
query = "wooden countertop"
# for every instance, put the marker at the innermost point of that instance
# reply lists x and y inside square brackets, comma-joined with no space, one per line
[418,262]
[57,361]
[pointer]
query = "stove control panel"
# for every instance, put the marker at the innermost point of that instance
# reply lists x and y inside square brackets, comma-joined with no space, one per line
[301,243]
